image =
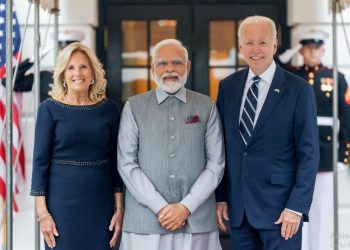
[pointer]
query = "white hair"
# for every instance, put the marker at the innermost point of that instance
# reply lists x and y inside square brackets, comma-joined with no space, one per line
[256,20]
[162,43]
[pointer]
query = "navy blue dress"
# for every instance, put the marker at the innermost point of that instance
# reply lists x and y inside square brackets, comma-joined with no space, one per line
[75,167]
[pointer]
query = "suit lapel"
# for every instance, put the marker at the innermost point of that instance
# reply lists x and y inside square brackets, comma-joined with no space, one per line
[236,100]
[274,95]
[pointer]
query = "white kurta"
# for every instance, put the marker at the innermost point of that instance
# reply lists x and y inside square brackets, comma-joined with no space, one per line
[178,241]
[145,192]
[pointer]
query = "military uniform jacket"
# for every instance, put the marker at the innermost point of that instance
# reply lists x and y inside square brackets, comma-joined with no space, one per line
[321,78]
[24,80]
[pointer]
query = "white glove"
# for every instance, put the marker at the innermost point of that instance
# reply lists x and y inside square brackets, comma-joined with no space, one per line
[341,167]
[42,53]
[289,53]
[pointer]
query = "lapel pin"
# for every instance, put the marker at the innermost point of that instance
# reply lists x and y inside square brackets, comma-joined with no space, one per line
[277,90]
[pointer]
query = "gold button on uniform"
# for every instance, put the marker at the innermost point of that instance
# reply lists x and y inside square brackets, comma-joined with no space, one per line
[311,75]
[311,81]
[328,94]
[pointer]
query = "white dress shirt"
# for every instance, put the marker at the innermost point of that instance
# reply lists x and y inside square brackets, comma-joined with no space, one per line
[263,86]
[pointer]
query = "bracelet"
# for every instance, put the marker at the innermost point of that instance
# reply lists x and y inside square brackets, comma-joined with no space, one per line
[119,208]
[44,217]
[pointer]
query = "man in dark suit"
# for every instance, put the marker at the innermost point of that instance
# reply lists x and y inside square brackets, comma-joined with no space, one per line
[270,126]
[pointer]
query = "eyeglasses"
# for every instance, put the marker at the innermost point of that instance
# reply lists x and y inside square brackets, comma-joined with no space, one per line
[177,63]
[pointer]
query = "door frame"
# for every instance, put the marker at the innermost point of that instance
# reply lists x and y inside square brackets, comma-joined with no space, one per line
[115,14]
[203,14]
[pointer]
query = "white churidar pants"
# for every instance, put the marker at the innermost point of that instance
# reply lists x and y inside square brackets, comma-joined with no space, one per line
[318,233]
[171,241]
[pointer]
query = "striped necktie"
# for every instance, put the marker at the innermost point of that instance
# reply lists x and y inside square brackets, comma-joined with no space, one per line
[246,124]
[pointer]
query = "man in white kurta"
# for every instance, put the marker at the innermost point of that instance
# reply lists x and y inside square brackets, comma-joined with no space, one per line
[171,158]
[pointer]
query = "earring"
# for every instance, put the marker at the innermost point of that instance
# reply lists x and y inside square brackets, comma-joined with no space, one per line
[64,84]
[92,82]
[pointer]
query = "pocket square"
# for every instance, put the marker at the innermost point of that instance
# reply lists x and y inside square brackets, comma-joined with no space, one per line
[192,119]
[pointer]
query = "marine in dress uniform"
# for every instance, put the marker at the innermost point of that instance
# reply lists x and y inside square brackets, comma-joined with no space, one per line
[318,234]
[25,78]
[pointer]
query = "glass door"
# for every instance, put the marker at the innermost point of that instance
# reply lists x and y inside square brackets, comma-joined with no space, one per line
[216,50]
[132,32]
[138,39]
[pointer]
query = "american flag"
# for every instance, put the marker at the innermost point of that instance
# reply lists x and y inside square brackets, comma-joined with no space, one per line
[17,147]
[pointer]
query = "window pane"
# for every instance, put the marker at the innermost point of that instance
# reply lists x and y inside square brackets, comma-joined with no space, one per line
[134,48]
[222,43]
[215,75]
[162,29]
[241,60]
[134,81]
[153,84]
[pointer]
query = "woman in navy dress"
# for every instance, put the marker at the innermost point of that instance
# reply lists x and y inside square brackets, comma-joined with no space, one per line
[75,179]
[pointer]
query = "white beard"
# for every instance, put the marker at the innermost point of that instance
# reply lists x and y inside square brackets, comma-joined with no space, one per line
[170,87]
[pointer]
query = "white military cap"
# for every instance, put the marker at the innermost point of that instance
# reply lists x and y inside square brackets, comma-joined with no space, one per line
[66,36]
[312,37]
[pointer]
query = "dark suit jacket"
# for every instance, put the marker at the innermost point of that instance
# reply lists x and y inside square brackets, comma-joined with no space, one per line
[277,168]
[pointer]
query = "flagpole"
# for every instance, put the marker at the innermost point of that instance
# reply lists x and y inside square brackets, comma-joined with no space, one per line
[37,94]
[56,12]
[335,125]
[9,55]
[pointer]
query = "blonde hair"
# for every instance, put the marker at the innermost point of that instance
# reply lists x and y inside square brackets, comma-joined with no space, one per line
[96,90]
[256,20]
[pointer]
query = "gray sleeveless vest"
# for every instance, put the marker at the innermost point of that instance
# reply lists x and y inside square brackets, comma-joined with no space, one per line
[172,155]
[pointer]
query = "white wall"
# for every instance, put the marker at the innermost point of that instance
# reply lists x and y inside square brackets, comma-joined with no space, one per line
[69,18]
[305,15]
